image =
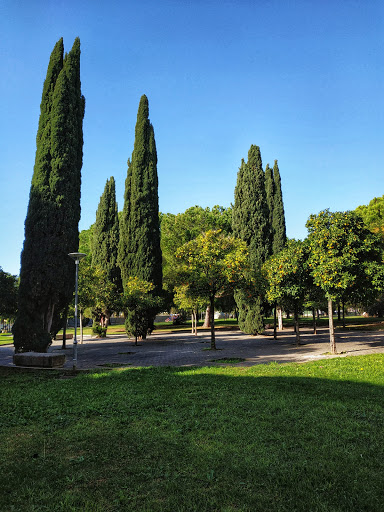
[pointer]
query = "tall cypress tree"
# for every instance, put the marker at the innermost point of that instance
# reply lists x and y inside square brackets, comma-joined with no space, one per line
[51,226]
[250,222]
[139,246]
[106,234]
[278,221]
[270,194]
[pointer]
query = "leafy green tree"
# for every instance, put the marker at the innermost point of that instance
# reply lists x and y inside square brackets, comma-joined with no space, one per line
[250,223]
[137,300]
[8,295]
[139,246]
[345,259]
[278,219]
[288,278]
[210,265]
[86,241]
[51,226]
[176,230]
[187,299]
[373,215]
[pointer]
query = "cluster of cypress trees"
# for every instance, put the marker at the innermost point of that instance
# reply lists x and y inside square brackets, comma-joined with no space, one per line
[51,226]
[139,253]
[258,219]
[130,247]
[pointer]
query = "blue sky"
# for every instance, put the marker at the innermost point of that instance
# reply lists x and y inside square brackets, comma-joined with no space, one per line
[301,79]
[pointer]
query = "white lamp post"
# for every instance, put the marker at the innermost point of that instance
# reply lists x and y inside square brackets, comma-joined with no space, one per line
[76,256]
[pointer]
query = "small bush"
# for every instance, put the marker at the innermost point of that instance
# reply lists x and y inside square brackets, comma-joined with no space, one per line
[101,332]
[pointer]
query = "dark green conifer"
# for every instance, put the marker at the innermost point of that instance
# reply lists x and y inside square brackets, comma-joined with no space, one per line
[278,222]
[106,234]
[139,245]
[270,194]
[51,226]
[250,222]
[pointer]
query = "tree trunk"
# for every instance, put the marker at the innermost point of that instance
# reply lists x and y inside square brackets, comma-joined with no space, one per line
[331,327]
[338,312]
[48,317]
[314,321]
[280,318]
[207,317]
[297,327]
[64,345]
[196,315]
[274,323]
[193,320]
[212,322]
[343,315]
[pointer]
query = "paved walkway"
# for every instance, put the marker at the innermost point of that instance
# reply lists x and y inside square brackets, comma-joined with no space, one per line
[185,349]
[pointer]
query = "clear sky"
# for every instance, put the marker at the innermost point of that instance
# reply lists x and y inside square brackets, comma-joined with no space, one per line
[302,79]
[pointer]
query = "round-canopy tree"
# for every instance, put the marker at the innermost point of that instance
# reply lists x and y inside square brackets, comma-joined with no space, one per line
[345,258]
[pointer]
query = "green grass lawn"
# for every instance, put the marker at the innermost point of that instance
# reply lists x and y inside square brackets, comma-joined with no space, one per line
[298,437]
[6,338]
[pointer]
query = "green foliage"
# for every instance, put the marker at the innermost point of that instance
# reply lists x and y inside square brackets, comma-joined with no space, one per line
[139,252]
[176,230]
[106,235]
[251,223]
[211,265]
[139,306]
[85,241]
[278,219]
[51,227]
[8,294]
[373,215]
[270,192]
[101,332]
[287,276]
[345,257]
[189,299]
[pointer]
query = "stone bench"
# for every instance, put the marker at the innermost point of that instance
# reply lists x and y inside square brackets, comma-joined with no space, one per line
[39,359]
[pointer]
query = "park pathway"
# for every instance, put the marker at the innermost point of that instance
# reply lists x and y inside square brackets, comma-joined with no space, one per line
[185,349]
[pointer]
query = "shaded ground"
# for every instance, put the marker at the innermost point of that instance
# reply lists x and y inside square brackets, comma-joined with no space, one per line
[185,349]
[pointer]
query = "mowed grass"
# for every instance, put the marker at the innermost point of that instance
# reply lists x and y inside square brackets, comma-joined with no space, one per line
[297,437]
[6,338]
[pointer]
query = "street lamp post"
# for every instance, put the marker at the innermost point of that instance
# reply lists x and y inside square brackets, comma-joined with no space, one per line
[76,256]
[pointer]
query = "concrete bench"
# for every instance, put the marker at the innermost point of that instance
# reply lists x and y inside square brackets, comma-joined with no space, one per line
[39,359]
[67,336]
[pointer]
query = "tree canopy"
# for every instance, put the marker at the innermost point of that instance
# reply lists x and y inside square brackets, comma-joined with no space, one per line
[211,265]
[345,258]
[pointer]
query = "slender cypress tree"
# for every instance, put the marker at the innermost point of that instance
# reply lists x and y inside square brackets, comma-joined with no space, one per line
[250,222]
[139,246]
[270,194]
[278,222]
[51,226]
[106,234]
